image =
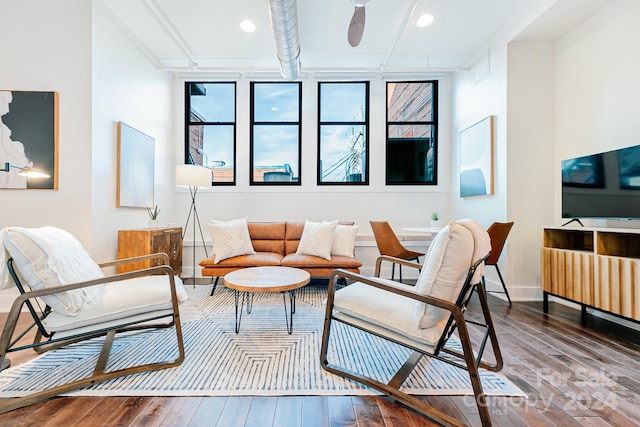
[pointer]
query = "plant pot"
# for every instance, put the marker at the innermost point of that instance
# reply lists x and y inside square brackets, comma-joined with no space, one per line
[153,223]
[436,225]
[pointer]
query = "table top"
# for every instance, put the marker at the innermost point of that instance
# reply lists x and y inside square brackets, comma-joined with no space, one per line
[267,279]
[426,230]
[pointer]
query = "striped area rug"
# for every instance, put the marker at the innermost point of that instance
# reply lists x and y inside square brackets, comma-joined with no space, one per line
[261,360]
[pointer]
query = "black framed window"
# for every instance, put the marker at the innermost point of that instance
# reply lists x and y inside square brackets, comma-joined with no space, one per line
[343,137]
[210,138]
[412,129]
[276,111]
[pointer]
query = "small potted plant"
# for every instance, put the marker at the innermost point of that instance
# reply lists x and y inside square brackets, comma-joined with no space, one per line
[436,223]
[153,216]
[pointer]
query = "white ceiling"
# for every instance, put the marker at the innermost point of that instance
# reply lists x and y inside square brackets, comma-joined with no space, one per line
[179,34]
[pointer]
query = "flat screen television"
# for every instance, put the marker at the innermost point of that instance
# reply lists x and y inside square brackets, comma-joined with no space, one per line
[602,185]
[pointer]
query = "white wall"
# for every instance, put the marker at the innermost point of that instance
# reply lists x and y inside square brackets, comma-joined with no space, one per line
[597,94]
[402,206]
[552,100]
[597,90]
[475,98]
[46,48]
[126,87]
[100,78]
[530,175]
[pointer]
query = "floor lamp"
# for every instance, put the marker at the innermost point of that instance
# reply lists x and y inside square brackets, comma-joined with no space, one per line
[194,177]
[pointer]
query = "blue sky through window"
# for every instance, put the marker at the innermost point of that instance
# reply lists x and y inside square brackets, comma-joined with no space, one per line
[276,129]
[343,132]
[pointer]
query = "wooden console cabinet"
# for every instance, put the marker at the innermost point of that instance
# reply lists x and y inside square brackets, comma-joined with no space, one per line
[147,241]
[597,268]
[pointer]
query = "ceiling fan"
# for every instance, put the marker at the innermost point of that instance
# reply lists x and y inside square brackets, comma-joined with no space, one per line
[356,26]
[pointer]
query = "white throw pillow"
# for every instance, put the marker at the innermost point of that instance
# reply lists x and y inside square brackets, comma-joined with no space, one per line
[317,239]
[445,269]
[47,257]
[344,240]
[230,238]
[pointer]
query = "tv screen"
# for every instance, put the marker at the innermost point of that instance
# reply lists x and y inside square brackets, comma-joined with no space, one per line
[602,185]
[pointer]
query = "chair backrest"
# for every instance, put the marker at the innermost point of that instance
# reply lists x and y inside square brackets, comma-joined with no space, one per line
[49,257]
[498,232]
[447,267]
[386,239]
[455,264]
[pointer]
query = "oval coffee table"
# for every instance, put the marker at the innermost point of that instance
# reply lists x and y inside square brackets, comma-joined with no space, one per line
[248,281]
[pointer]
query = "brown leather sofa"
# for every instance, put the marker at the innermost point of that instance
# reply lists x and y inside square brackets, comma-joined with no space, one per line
[276,243]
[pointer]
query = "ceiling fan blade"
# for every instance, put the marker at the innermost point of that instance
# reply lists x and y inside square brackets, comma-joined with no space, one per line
[356,26]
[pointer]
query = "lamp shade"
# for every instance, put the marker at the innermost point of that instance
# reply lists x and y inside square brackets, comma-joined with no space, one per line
[193,176]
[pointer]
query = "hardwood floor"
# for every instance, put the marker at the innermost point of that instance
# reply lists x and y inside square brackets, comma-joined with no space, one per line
[573,374]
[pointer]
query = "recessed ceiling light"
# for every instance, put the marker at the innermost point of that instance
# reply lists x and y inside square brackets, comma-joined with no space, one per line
[425,20]
[248,26]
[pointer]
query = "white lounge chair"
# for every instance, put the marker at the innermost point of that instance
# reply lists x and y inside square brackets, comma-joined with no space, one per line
[423,317]
[71,300]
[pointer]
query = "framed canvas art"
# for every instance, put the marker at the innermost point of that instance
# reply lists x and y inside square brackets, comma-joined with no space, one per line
[28,139]
[136,156]
[476,159]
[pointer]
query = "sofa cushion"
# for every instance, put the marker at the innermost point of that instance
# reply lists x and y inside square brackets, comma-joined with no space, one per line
[311,261]
[317,239]
[253,260]
[267,236]
[230,238]
[292,236]
[48,257]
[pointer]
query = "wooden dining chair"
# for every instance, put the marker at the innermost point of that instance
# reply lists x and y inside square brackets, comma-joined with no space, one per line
[389,245]
[498,232]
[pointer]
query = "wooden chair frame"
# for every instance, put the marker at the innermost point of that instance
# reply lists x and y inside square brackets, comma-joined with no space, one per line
[389,245]
[456,321]
[45,340]
[498,233]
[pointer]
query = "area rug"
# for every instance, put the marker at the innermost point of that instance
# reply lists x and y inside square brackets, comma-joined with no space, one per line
[261,360]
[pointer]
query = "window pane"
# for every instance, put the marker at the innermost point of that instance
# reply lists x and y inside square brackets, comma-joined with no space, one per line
[276,153]
[410,154]
[342,102]
[213,146]
[411,145]
[212,102]
[276,102]
[275,136]
[342,133]
[410,102]
[210,131]
[342,153]
[219,152]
